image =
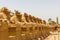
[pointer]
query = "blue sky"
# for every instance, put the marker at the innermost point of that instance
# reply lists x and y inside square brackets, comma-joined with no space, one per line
[40,8]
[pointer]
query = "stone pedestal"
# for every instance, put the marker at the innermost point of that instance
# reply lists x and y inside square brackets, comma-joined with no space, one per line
[4,30]
[12,33]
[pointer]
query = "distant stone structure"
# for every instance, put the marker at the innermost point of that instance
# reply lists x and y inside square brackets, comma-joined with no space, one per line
[22,26]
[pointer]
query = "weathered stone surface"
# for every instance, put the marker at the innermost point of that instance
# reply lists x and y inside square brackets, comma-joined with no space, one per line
[22,26]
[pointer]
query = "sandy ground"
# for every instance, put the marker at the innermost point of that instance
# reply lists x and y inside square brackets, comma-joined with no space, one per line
[54,36]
